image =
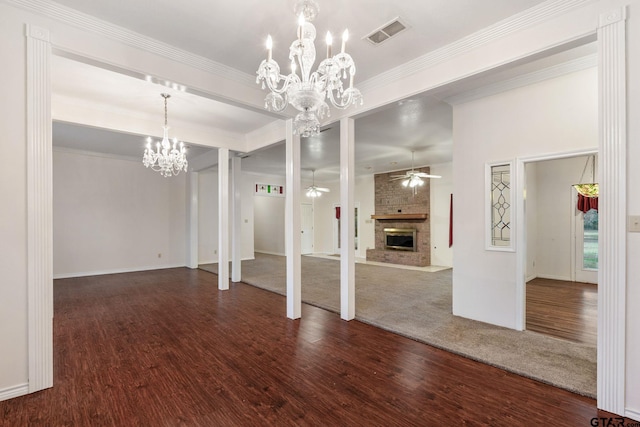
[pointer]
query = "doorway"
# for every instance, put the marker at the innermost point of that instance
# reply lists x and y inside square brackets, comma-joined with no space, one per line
[561,250]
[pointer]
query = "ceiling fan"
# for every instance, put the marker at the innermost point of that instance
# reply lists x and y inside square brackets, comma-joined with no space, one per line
[313,190]
[413,178]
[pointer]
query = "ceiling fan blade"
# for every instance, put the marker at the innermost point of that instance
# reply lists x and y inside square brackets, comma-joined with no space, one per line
[325,190]
[426,175]
[396,177]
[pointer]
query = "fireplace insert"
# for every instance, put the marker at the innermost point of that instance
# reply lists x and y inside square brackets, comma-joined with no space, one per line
[400,239]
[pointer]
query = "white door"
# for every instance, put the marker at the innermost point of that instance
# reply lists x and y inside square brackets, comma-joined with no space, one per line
[306,210]
[586,246]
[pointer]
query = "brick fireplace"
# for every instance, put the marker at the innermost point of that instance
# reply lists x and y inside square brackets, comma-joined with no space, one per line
[397,208]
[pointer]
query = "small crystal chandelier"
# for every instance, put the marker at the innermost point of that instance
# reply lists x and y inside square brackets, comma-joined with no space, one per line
[167,159]
[308,91]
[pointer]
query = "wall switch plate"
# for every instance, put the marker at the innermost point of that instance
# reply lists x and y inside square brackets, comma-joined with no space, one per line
[634,224]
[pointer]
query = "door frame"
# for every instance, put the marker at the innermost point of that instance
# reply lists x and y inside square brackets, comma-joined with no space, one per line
[521,232]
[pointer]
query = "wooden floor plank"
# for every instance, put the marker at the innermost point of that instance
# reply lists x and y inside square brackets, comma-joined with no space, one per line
[166,348]
[567,310]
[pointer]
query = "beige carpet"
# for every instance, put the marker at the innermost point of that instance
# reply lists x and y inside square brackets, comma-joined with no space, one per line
[417,304]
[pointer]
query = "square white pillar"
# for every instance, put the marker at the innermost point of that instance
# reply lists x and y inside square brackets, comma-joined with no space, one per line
[293,229]
[347,218]
[236,219]
[192,219]
[223,218]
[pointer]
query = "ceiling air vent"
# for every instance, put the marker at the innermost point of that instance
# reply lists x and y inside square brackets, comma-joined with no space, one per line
[387,31]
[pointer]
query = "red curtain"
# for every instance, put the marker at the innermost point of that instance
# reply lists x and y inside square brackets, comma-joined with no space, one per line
[451,221]
[585,204]
[337,212]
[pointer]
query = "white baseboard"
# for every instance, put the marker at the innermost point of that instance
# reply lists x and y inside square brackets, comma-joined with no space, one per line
[553,277]
[114,271]
[270,253]
[634,415]
[530,278]
[14,391]
[216,261]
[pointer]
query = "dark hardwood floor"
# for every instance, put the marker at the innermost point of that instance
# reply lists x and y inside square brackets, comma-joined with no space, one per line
[567,310]
[166,348]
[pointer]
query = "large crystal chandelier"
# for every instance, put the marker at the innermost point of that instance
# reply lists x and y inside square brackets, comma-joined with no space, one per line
[308,91]
[168,159]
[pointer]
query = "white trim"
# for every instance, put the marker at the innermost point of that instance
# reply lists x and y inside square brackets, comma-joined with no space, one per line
[612,204]
[270,253]
[14,391]
[215,261]
[521,259]
[39,209]
[536,14]
[634,415]
[555,277]
[488,232]
[115,271]
[558,70]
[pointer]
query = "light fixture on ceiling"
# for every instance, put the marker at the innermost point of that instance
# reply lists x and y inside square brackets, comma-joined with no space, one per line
[412,178]
[308,91]
[313,190]
[590,189]
[168,159]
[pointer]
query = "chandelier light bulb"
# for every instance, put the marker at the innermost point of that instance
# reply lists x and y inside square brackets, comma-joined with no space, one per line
[329,41]
[269,47]
[345,37]
[300,25]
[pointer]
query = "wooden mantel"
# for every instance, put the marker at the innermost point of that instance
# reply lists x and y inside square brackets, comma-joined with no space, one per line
[400,216]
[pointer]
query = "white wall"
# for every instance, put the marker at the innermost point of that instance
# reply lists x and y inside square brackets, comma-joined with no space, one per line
[268,216]
[208,216]
[13,196]
[556,115]
[113,215]
[324,214]
[440,192]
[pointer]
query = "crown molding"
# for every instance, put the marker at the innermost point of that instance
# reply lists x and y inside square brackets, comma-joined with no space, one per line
[504,28]
[94,25]
[568,67]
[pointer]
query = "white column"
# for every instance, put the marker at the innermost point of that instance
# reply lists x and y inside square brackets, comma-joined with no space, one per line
[292,226]
[347,218]
[39,208]
[612,205]
[236,220]
[192,219]
[223,218]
